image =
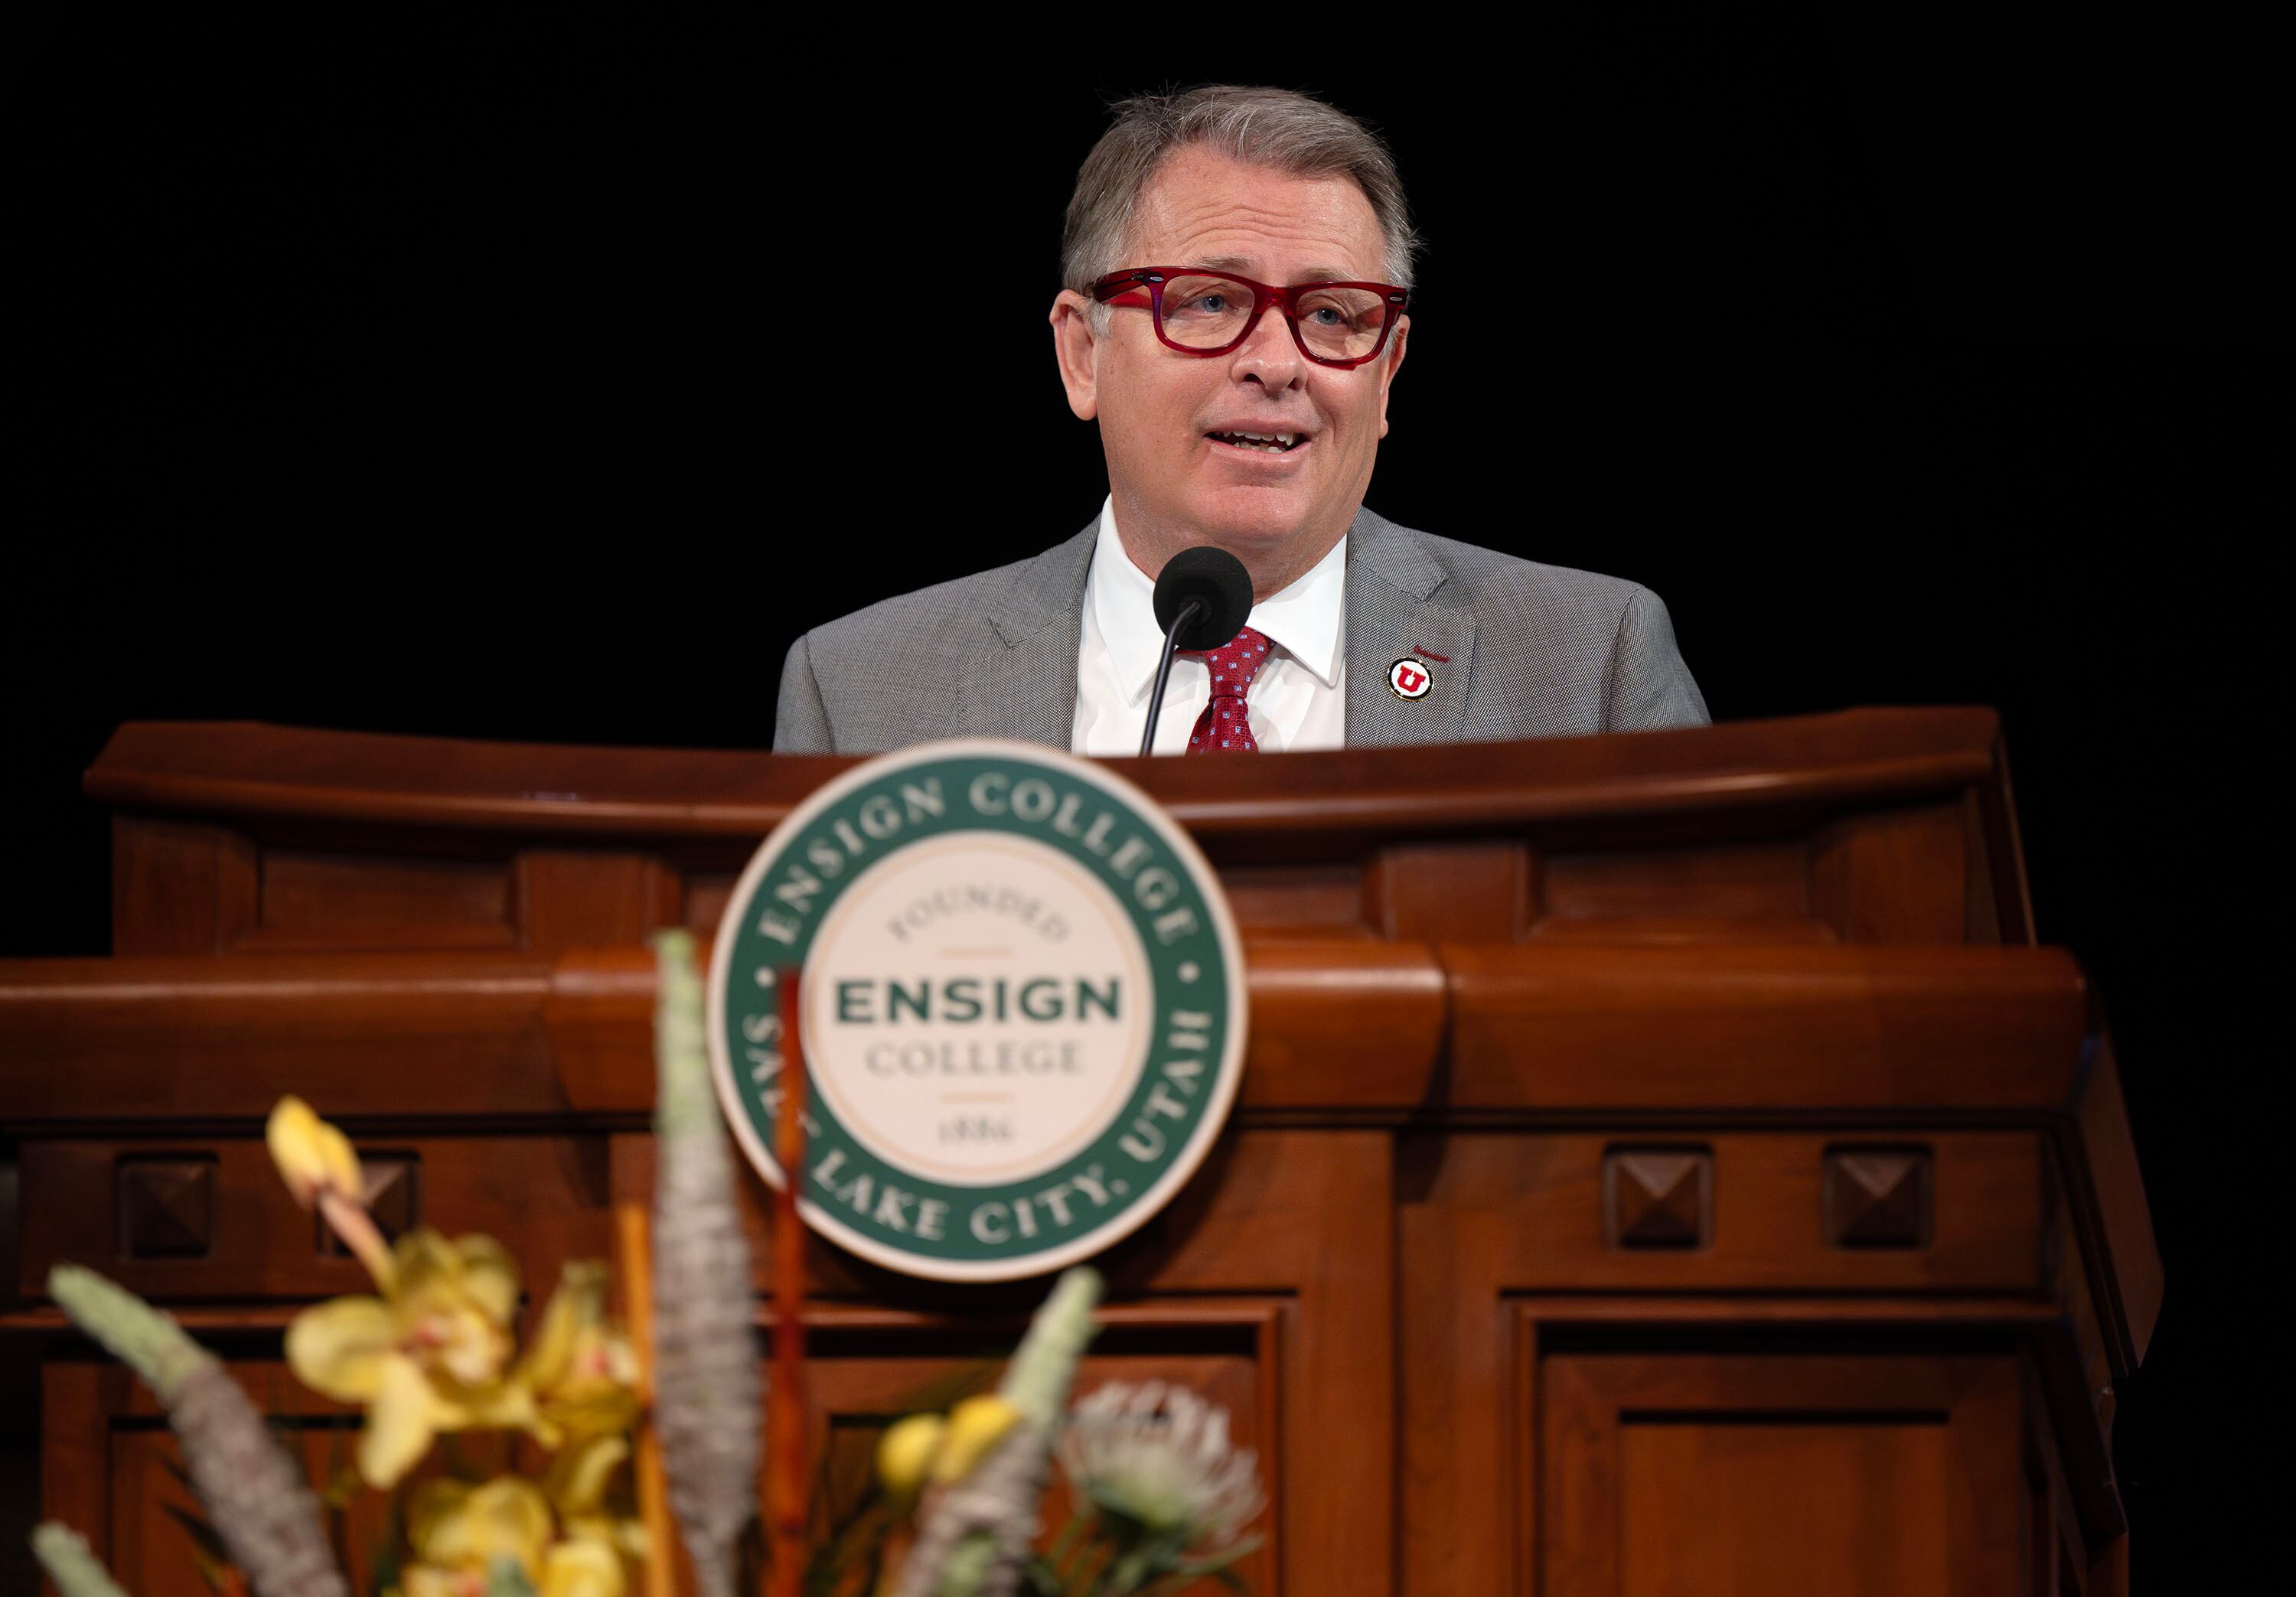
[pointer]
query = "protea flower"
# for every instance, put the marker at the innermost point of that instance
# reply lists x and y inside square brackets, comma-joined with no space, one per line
[1155,1460]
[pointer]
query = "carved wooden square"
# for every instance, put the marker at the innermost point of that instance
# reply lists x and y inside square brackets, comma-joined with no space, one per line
[393,1197]
[1659,1197]
[165,1206]
[1877,1197]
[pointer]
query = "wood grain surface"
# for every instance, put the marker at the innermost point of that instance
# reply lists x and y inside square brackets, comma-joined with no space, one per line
[1787,956]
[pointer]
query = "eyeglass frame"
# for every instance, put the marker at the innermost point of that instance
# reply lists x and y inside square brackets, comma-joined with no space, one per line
[1123,288]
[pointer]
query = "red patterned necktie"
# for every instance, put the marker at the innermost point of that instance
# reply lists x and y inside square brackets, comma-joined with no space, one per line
[1226,726]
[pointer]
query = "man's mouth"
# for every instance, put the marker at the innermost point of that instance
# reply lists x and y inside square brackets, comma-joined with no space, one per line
[1266,442]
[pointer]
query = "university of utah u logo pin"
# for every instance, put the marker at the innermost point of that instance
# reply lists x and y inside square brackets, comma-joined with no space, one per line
[1410,678]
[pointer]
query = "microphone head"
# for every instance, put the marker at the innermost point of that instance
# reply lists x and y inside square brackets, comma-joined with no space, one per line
[1220,580]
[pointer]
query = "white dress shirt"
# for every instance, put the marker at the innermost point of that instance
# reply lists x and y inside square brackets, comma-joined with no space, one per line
[1296,701]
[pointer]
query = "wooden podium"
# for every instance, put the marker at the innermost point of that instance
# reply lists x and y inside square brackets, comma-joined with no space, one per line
[1665,1162]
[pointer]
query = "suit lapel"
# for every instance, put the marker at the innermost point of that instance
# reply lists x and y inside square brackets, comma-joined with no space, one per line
[1020,678]
[1394,613]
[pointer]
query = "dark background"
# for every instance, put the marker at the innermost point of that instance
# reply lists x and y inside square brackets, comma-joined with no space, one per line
[541,378]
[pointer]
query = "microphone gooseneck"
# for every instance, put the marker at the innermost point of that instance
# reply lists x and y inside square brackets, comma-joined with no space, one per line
[1203,597]
[1188,612]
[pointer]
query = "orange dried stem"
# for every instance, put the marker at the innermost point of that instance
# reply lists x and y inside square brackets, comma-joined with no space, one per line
[786,1410]
[634,1244]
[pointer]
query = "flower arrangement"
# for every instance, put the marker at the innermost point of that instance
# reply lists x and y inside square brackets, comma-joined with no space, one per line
[431,1352]
[1161,1497]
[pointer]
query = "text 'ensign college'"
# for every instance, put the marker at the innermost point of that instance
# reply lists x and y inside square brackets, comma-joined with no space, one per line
[1022,1000]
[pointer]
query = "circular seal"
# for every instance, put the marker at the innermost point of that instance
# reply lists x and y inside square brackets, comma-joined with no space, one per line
[1409,678]
[1022,1000]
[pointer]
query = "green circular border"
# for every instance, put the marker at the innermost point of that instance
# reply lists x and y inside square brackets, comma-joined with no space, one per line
[834,818]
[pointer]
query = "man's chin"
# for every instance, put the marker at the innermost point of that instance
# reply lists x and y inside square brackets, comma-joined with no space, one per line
[1249,517]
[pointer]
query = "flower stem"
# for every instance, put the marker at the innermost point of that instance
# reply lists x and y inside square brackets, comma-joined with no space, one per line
[360,1235]
[1065,1545]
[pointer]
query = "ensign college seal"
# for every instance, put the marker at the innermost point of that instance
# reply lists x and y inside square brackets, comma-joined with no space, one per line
[1023,1002]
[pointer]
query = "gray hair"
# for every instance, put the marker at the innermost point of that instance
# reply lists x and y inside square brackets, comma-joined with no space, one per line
[1291,132]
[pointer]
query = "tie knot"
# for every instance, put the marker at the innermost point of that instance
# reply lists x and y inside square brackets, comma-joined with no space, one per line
[1233,664]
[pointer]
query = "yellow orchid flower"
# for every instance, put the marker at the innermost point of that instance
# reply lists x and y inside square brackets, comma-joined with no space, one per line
[944,1451]
[577,1485]
[313,1157]
[568,1569]
[583,1569]
[473,1527]
[427,1580]
[975,1426]
[457,1530]
[905,1451]
[427,1357]
[581,1369]
[316,1161]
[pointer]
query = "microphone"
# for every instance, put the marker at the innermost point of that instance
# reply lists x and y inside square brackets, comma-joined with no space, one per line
[1202,599]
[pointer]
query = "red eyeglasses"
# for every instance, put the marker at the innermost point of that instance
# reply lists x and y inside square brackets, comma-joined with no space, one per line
[1197,312]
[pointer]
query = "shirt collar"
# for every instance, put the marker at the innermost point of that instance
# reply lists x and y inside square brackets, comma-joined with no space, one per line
[1303,620]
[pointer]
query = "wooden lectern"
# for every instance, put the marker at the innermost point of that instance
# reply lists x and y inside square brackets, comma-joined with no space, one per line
[1665,1162]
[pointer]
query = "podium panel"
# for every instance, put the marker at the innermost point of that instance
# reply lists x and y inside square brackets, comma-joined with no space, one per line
[1809,1472]
[1664,1163]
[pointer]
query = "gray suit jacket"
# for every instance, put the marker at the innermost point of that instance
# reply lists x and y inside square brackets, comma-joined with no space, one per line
[1526,651]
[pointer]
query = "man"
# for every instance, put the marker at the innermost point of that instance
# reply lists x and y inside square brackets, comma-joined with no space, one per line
[1237,264]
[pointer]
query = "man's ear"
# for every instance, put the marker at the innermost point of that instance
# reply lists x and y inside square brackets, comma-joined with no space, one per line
[1076,352]
[1388,366]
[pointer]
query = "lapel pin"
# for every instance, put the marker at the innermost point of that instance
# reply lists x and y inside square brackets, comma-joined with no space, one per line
[1409,678]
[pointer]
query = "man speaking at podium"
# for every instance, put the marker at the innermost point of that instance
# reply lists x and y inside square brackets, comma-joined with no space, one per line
[1238,271]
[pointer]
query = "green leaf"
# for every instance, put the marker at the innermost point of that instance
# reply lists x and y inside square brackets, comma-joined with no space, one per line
[508,1580]
[862,1539]
[1124,1529]
[212,1558]
[1213,1565]
[1093,1569]
[1176,1582]
[387,1545]
[339,1491]
[1063,1544]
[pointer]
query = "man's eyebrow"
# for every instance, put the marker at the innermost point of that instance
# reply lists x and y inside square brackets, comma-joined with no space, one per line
[1237,263]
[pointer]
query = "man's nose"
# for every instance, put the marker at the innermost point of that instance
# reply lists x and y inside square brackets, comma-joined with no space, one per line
[1268,354]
